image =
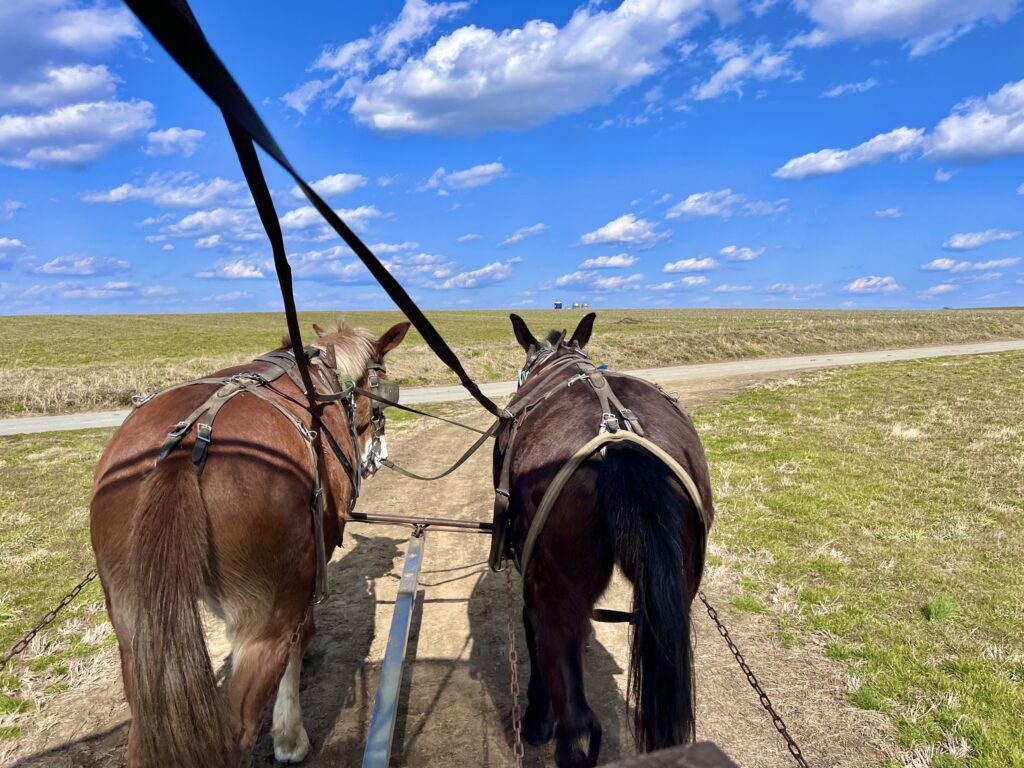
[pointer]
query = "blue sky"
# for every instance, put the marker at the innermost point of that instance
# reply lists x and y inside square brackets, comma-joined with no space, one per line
[685,153]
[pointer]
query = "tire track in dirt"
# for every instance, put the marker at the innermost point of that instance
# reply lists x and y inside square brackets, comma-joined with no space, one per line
[455,690]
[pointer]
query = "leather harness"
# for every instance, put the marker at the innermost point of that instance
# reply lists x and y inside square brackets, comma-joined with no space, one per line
[618,424]
[257,381]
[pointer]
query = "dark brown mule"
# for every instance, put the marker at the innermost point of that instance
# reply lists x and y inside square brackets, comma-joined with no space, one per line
[624,507]
[238,536]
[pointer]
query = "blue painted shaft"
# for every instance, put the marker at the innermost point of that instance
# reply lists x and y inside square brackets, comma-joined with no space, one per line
[385,709]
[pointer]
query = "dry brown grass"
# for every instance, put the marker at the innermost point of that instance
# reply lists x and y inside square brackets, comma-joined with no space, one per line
[101,362]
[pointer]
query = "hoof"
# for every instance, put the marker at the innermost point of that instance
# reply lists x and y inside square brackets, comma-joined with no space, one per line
[537,730]
[292,750]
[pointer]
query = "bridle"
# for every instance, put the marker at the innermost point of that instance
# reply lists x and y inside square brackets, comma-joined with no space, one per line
[384,393]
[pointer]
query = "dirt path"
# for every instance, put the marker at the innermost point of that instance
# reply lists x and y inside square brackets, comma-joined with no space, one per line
[455,692]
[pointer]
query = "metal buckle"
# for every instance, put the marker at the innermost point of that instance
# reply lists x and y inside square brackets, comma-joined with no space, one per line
[609,423]
[140,400]
[179,429]
[204,432]
[502,492]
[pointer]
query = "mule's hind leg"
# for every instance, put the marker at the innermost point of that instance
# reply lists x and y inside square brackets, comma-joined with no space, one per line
[538,721]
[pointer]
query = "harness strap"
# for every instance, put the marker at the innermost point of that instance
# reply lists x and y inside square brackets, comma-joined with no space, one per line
[584,453]
[484,437]
[500,538]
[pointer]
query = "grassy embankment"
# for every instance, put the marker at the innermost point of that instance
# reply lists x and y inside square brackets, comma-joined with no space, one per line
[52,364]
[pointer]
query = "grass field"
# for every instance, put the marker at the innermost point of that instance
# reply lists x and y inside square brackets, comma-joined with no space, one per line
[880,508]
[874,511]
[52,364]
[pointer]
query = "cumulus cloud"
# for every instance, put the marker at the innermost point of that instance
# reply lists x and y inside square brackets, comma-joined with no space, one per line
[476,176]
[977,129]
[888,213]
[239,269]
[923,25]
[968,241]
[618,261]
[873,284]
[386,248]
[738,65]
[724,203]
[468,238]
[691,265]
[114,290]
[900,141]
[72,135]
[522,233]
[10,244]
[179,190]
[727,288]
[475,79]
[952,265]
[626,230]
[735,253]
[491,273]
[691,281]
[82,266]
[307,218]
[173,141]
[938,290]
[858,87]
[596,281]
[333,185]
[54,86]
[982,128]
[228,224]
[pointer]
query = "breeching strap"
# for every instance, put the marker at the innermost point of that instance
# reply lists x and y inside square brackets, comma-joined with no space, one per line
[172,24]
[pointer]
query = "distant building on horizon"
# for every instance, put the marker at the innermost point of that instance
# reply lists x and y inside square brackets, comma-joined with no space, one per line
[558,304]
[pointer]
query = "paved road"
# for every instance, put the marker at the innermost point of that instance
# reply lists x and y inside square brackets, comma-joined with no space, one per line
[497,390]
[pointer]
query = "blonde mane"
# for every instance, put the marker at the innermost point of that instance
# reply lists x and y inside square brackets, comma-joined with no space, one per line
[353,347]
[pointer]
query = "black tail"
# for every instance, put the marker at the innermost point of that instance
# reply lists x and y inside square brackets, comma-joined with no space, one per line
[648,520]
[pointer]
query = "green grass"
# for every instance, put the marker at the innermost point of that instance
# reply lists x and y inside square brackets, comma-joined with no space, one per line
[51,364]
[881,506]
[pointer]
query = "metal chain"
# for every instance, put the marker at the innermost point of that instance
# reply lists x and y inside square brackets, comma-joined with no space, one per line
[47,619]
[766,702]
[518,750]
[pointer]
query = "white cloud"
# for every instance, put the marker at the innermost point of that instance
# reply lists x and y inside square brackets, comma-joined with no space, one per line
[691,265]
[11,244]
[735,253]
[468,238]
[476,79]
[595,281]
[522,233]
[979,129]
[301,98]
[307,217]
[9,207]
[56,86]
[618,261]
[924,25]
[1020,189]
[627,230]
[417,20]
[347,58]
[738,65]
[173,141]
[72,135]
[724,203]
[409,245]
[228,297]
[888,213]
[938,290]
[476,176]
[114,290]
[968,241]
[239,269]
[873,284]
[897,142]
[690,281]
[333,185]
[858,87]
[727,288]
[92,29]
[952,265]
[180,190]
[82,265]
[942,176]
[491,273]
[615,282]
[230,224]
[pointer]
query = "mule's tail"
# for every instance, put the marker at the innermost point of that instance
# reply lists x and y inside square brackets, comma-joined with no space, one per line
[647,519]
[180,717]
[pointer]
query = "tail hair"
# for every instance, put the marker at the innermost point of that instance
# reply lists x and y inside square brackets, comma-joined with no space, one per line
[180,717]
[645,514]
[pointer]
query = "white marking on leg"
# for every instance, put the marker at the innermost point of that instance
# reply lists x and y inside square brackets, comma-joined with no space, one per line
[291,744]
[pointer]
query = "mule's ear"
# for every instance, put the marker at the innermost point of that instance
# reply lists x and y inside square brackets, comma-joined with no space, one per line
[318,330]
[391,338]
[581,335]
[523,335]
